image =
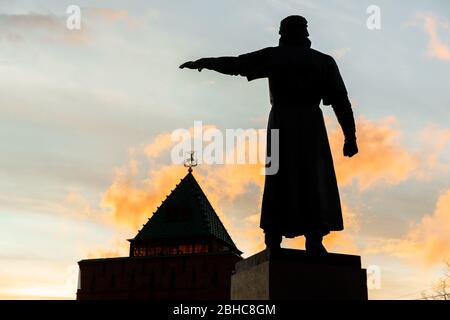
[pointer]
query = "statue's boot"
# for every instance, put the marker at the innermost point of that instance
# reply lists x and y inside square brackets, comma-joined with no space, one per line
[314,244]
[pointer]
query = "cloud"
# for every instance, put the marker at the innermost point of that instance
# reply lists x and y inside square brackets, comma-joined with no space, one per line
[161,143]
[132,198]
[16,28]
[40,27]
[117,16]
[435,139]
[72,206]
[427,242]
[381,158]
[109,14]
[164,141]
[235,191]
[437,48]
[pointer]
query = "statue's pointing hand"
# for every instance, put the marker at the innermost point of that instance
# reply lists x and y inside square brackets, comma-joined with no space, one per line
[193,65]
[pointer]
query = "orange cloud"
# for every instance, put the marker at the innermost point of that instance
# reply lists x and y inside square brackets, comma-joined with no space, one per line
[436,139]
[381,158]
[164,141]
[161,143]
[436,47]
[133,199]
[427,242]
[114,16]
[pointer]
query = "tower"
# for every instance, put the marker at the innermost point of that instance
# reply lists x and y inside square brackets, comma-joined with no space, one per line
[182,252]
[185,223]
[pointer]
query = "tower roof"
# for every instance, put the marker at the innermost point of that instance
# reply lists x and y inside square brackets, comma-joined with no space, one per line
[186,213]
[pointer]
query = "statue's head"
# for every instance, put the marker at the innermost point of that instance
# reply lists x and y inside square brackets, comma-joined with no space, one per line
[294,28]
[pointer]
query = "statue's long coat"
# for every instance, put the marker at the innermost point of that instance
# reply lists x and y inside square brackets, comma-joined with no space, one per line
[303,195]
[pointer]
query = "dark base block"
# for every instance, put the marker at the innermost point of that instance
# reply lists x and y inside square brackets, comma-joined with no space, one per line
[289,274]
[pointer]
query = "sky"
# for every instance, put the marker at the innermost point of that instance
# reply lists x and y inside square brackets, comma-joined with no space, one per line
[86,118]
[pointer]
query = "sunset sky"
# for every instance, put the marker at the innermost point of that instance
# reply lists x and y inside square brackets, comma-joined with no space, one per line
[86,117]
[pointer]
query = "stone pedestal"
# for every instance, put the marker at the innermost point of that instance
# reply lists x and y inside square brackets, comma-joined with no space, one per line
[288,274]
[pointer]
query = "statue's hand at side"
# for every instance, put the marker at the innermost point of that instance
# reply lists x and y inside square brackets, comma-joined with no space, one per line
[350,148]
[198,64]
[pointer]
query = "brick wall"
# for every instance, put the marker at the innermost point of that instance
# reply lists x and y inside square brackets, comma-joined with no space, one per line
[193,277]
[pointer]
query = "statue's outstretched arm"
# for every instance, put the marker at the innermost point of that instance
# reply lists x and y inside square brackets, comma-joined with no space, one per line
[225,65]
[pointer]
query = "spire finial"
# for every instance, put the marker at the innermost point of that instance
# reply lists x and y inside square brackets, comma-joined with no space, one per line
[190,160]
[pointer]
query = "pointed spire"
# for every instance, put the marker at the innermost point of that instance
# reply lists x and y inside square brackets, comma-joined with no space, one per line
[191,215]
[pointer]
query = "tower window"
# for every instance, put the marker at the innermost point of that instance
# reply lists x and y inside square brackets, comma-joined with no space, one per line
[185,248]
[200,248]
[170,250]
[141,251]
[153,251]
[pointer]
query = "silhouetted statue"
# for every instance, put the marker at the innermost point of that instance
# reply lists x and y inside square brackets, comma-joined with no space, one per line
[302,198]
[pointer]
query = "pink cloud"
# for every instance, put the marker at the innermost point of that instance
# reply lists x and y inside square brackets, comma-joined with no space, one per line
[437,48]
